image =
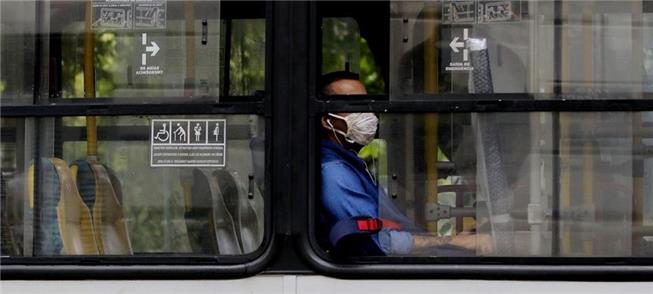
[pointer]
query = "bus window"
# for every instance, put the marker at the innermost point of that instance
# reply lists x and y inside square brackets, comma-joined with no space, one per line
[340,45]
[17,72]
[351,42]
[162,169]
[247,57]
[148,185]
[487,184]
[599,48]
[501,182]
[580,191]
[173,50]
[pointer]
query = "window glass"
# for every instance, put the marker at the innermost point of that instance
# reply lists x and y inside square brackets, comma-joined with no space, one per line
[344,49]
[490,184]
[598,49]
[247,57]
[145,185]
[514,184]
[140,50]
[17,70]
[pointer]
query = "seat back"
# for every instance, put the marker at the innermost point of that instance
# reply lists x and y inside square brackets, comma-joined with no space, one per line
[246,219]
[65,225]
[47,230]
[257,145]
[102,192]
[110,226]
[7,244]
[210,215]
[198,216]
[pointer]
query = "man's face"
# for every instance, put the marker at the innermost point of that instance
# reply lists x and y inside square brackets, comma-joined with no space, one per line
[342,87]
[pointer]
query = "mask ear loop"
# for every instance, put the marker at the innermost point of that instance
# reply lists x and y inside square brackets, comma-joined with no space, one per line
[333,129]
[376,167]
[339,131]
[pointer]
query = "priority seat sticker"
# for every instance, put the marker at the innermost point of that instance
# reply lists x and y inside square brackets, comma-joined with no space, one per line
[188,142]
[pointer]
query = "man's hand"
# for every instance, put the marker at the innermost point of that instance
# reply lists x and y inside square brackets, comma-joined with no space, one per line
[480,242]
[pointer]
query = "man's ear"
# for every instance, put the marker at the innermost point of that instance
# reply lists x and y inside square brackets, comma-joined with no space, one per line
[324,123]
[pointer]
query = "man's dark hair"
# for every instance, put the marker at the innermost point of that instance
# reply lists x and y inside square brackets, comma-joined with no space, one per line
[331,77]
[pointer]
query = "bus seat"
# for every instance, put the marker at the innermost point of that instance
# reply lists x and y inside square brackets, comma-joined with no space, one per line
[246,219]
[7,244]
[48,237]
[198,216]
[15,212]
[64,222]
[85,181]
[78,231]
[257,145]
[101,190]
[107,213]
[211,227]
[256,186]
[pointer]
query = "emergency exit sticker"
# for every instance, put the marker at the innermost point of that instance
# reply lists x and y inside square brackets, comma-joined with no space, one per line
[188,142]
[459,52]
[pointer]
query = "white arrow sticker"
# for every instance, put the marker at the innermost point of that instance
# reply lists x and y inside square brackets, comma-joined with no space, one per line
[456,64]
[152,69]
[154,48]
[455,44]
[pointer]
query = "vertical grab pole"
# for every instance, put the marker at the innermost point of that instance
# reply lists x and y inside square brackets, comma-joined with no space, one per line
[638,181]
[89,81]
[565,182]
[588,182]
[638,163]
[189,15]
[431,86]
[535,188]
[588,149]
[564,139]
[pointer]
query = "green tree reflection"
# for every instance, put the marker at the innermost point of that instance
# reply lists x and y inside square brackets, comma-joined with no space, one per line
[341,44]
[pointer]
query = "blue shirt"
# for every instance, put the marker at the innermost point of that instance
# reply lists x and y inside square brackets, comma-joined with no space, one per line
[348,190]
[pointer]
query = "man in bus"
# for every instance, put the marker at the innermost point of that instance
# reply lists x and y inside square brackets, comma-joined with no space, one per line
[352,205]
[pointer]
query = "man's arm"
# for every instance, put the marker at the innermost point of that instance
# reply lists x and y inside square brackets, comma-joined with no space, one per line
[483,243]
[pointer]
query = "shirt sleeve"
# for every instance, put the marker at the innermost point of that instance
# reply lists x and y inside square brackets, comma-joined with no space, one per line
[395,242]
[344,196]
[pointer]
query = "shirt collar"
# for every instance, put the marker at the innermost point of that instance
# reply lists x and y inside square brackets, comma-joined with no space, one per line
[346,154]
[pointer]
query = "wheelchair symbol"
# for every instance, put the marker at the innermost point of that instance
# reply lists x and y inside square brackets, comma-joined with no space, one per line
[162,135]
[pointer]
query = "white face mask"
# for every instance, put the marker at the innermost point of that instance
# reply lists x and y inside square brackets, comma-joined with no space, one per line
[361,127]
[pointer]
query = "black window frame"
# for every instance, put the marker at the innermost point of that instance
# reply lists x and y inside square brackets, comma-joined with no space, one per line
[538,268]
[153,266]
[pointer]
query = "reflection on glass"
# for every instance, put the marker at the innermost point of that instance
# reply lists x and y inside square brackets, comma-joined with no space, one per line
[58,199]
[17,53]
[247,73]
[343,48]
[169,50]
[132,49]
[598,47]
[540,184]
